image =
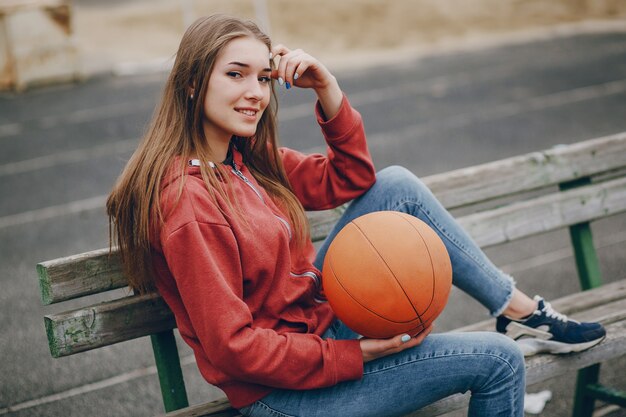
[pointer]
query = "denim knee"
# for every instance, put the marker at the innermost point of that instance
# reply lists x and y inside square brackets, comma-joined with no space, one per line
[510,360]
[400,181]
[500,384]
[394,174]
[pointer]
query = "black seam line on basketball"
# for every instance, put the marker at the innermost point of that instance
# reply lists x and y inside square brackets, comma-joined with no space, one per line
[330,263]
[390,270]
[429,257]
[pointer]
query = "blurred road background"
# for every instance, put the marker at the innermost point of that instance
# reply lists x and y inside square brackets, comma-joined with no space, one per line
[430,108]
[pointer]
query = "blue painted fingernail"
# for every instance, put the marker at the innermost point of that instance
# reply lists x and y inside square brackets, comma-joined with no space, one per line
[287,85]
[281,81]
[295,76]
[405,338]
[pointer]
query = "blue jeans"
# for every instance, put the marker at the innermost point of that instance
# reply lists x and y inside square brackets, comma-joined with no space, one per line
[489,365]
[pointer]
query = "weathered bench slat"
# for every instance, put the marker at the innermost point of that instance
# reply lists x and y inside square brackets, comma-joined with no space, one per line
[528,172]
[546,213]
[605,314]
[107,323]
[79,275]
[582,301]
[94,272]
[218,408]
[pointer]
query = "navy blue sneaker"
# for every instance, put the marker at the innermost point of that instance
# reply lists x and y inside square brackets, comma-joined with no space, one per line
[549,331]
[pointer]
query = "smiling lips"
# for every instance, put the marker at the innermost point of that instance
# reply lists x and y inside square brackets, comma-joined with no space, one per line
[247,112]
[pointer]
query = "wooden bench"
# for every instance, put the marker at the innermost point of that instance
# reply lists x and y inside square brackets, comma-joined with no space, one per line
[563,187]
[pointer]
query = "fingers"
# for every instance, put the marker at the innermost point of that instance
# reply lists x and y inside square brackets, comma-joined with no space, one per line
[425,333]
[402,342]
[291,65]
[398,344]
[280,50]
[288,61]
[377,348]
[417,340]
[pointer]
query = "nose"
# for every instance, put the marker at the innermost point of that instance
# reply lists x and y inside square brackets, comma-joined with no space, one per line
[254,90]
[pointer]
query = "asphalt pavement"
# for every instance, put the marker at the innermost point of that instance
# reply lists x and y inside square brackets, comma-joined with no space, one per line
[62,147]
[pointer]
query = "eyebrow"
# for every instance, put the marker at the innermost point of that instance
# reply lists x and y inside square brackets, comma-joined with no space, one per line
[241,64]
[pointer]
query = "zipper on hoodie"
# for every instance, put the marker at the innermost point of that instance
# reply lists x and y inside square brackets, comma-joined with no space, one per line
[316,279]
[309,274]
[239,174]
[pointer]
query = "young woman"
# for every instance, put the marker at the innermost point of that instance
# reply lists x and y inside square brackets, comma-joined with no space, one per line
[210,211]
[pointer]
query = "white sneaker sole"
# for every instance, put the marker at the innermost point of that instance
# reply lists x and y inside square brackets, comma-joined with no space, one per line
[532,346]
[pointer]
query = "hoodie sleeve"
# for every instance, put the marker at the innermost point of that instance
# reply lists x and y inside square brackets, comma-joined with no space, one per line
[204,260]
[326,181]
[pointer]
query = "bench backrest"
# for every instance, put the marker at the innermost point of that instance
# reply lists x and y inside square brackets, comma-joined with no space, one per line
[133,316]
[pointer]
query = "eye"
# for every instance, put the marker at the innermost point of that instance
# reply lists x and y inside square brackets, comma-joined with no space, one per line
[234,74]
[265,79]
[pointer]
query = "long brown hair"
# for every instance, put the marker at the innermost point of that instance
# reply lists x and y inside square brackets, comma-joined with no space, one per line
[176,131]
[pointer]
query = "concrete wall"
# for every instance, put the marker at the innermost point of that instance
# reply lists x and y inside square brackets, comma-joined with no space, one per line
[36,43]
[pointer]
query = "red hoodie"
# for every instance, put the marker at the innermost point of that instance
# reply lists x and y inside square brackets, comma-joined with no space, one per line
[244,298]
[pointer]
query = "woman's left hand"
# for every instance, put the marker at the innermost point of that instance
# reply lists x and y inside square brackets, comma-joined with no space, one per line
[297,68]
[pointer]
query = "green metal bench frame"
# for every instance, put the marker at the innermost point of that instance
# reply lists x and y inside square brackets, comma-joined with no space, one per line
[588,389]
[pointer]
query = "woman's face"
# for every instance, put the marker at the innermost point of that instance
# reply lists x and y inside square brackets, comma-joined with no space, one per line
[238,92]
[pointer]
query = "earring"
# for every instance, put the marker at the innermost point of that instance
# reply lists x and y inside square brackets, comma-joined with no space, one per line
[191,97]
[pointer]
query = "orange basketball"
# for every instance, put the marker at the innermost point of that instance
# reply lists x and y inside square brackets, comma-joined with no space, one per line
[387,273]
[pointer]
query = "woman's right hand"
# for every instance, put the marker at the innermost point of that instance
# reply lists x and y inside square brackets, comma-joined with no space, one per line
[377,348]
